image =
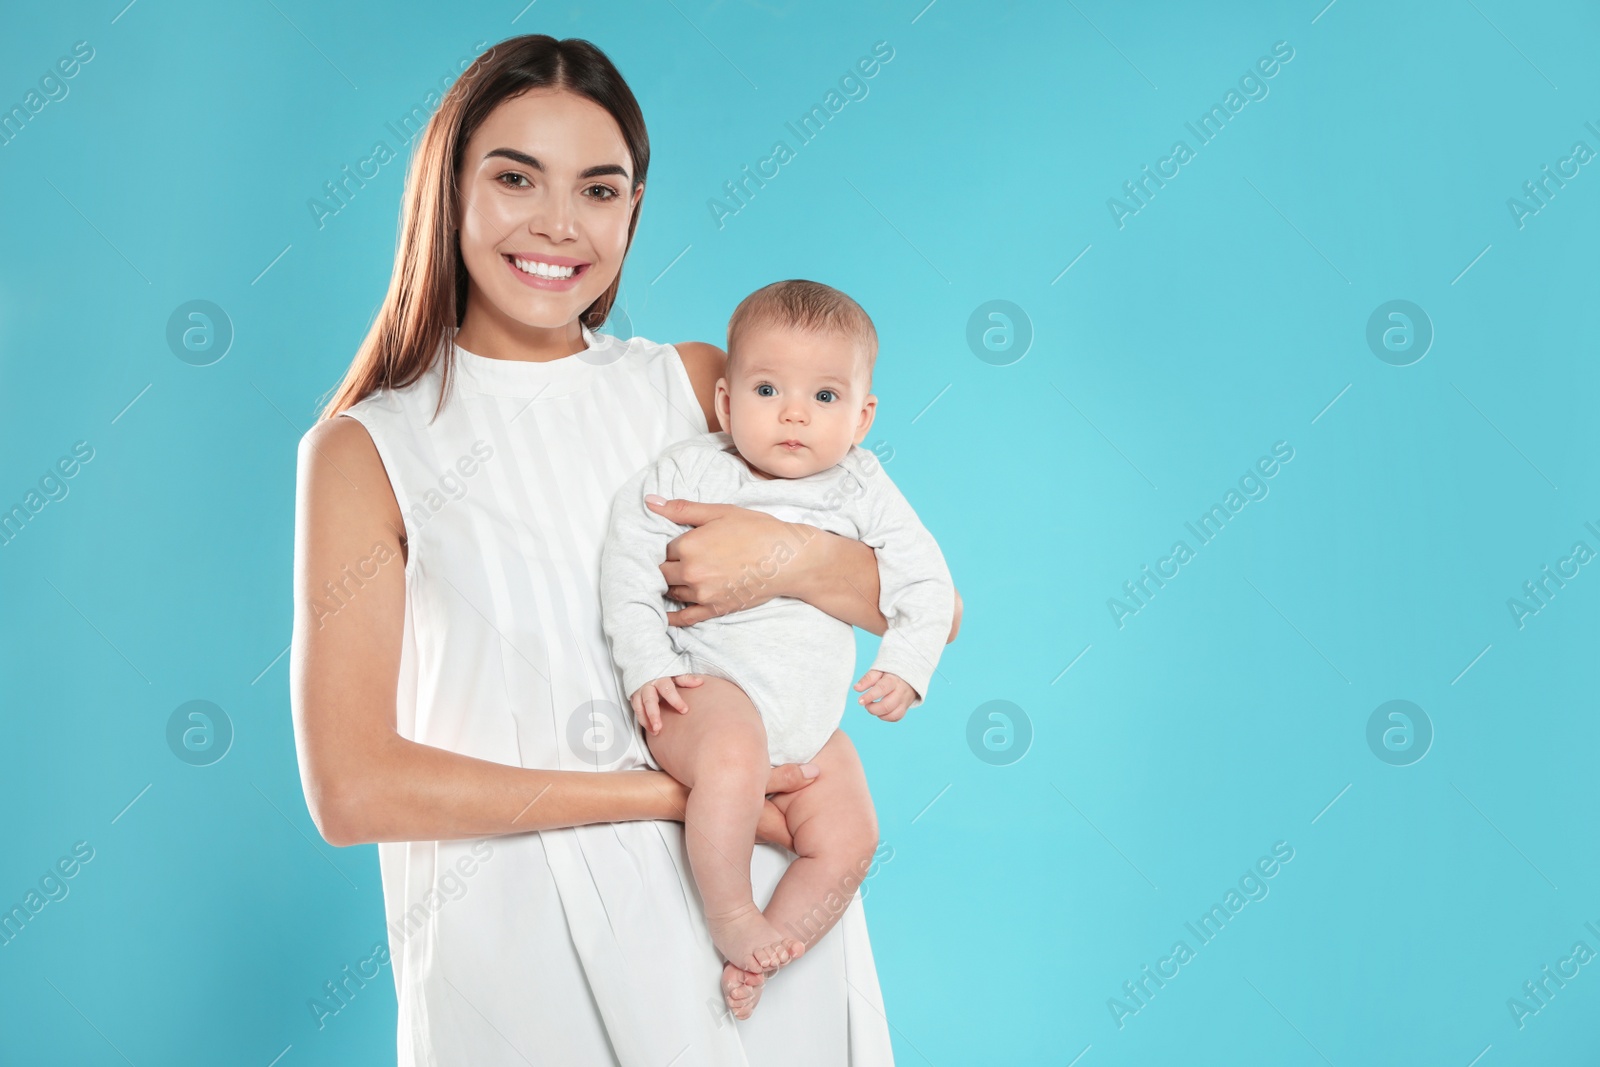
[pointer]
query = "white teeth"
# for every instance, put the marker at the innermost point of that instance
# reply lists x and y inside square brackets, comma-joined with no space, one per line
[543,270]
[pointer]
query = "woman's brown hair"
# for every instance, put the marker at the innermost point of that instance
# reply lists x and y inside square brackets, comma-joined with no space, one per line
[428,288]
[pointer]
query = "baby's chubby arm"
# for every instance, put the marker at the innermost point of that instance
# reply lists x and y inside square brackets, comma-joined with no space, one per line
[916,595]
[632,588]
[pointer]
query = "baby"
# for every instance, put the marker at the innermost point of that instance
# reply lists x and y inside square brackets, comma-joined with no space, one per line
[794,405]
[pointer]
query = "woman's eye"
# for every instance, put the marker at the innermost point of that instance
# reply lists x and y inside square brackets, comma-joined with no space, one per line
[609,193]
[824,395]
[514,174]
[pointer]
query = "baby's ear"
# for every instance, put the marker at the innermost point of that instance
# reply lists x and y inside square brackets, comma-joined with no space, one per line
[869,411]
[722,401]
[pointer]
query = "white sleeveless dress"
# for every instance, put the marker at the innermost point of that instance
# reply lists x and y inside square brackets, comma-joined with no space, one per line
[581,946]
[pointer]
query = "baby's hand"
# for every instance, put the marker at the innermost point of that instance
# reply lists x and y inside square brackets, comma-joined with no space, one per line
[647,701]
[889,696]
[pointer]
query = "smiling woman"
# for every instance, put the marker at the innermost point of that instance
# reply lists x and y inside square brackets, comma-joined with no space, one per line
[455,698]
[540,269]
[571,111]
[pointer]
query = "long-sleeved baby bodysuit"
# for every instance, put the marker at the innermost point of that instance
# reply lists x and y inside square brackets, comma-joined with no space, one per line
[794,661]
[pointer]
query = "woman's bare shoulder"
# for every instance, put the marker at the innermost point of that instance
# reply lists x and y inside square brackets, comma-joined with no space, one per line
[341,434]
[340,470]
[342,445]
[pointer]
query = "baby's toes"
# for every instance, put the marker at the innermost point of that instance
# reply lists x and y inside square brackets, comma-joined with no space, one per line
[779,954]
[741,990]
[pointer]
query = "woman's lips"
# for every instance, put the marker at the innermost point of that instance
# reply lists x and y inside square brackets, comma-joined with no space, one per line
[536,282]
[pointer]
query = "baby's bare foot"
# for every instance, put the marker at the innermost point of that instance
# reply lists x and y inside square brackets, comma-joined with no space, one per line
[747,940]
[741,990]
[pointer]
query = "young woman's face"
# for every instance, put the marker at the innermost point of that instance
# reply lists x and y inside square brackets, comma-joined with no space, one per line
[547,192]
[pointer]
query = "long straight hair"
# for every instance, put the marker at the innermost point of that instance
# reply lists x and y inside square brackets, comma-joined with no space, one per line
[427,295]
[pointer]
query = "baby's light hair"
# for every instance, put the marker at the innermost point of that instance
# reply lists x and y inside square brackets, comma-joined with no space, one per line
[806,305]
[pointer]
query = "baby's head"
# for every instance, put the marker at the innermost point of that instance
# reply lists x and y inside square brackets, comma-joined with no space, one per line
[798,388]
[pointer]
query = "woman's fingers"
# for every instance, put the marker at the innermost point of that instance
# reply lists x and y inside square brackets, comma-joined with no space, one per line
[690,615]
[788,777]
[773,828]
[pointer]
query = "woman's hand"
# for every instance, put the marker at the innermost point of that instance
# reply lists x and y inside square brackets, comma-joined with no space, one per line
[734,558]
[773,828]
[790,777]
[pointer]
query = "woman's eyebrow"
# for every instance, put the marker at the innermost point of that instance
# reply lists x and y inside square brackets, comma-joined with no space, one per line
[529,161]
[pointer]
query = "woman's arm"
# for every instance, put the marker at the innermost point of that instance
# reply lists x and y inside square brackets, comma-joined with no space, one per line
[736,558]
[842,580]
[839,576]
[363,781]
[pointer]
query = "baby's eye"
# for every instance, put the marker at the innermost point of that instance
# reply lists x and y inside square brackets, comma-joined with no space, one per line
[764,386]
[825,395]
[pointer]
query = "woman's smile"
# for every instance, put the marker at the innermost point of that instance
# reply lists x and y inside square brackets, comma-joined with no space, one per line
[545,272]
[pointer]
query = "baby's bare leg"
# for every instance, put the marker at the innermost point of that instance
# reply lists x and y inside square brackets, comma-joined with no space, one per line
[835,832]
[719,750]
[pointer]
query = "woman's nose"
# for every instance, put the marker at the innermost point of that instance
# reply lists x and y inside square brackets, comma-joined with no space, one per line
[555,219]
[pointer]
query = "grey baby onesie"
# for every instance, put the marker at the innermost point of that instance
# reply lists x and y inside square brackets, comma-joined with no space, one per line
[794,661]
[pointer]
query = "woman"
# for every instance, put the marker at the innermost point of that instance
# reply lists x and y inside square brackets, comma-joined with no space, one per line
[451,681]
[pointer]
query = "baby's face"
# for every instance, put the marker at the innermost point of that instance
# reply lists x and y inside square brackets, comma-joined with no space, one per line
[798,400]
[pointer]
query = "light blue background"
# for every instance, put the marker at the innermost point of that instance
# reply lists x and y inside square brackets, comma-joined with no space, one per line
[1227,715]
